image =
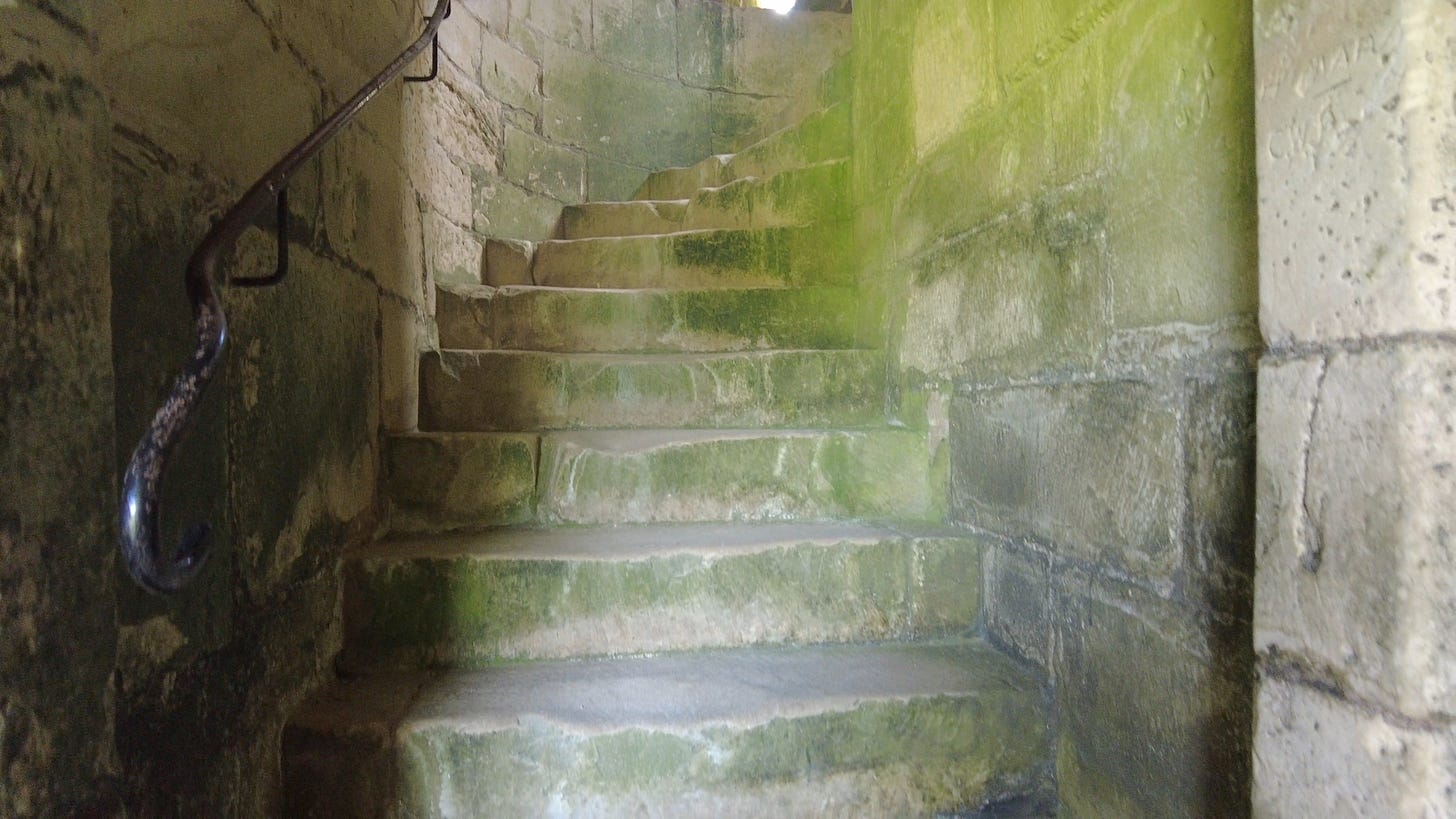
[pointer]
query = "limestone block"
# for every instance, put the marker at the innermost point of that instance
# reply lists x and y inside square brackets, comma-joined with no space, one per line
[508,261]
[402,333]
[1155,707]
[1219,442]
[452,253]
[537,23]
[371,211]
[229,91]
[1355,490]
[444,184]
[631,118]
[462,40]
[442,482]
[774,55]
[1355,133]
[1018,611]
[543,166]
[454,112]
[1315,755]
[639,34]
[608,180]
[1094,469]
[506,211]
[509,74]
[1016,297]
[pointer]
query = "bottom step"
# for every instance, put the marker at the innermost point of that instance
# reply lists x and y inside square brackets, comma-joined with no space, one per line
[885,730]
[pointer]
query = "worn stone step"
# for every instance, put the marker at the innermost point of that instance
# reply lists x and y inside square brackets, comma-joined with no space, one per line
[473,390]
[751,475]
[774,257]
[448,481]
[682,183]
[595,220]
[901,730]
[801,196]
[609,321]
[820,137]
[466,600]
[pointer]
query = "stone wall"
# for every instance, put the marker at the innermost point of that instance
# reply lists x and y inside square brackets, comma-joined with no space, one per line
[124,132]
[1055,209]
[1356,589]
[56,469]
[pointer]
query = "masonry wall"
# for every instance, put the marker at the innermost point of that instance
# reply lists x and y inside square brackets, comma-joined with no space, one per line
[1356,590]
[1055,209]
[125,130]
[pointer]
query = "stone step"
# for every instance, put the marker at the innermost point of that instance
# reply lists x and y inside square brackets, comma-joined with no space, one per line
[682,183]
[449,481]
[473,390]
[903,730]
[822,136]
[557,319]
[509,594]
[598,220]
[815,194]
[700,259]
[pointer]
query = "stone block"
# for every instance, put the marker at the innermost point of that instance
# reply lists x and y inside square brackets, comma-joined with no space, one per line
[1316,755]
[610,181]
[536,24]
[510,75]
[1094,469]
[506,211]
[1018,608]
[452,253]
[1355,487]
[1356,204]
[639,34]
[1156,721]
[773,55]
[462,41]
[945,585]
[1219,442]
[1017,297]
[623,115]
[540,165]
[702,53]
[734,119]
[230,92]
[508,261]
[443,482]
[458,115]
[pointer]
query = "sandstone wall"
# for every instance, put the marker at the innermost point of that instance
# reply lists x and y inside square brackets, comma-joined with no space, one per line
[1055,210]
[125,129]
[1356,590]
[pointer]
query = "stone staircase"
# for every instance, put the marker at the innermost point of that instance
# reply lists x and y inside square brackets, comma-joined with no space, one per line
[655,552]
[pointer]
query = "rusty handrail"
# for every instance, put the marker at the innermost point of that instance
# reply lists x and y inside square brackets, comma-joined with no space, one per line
[140,497]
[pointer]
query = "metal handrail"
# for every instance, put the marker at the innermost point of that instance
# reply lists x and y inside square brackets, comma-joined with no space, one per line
[140,497]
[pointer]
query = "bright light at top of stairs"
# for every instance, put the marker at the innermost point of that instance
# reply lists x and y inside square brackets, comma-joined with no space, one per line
[780,6]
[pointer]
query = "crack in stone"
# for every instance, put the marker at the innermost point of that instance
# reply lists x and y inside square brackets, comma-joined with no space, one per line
[1311,545]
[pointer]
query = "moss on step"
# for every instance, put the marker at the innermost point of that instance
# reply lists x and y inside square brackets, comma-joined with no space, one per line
[589,321]
[476,605]
[461,390]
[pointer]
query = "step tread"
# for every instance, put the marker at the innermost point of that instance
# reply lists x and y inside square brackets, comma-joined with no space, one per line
[675,692]
[632,542]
